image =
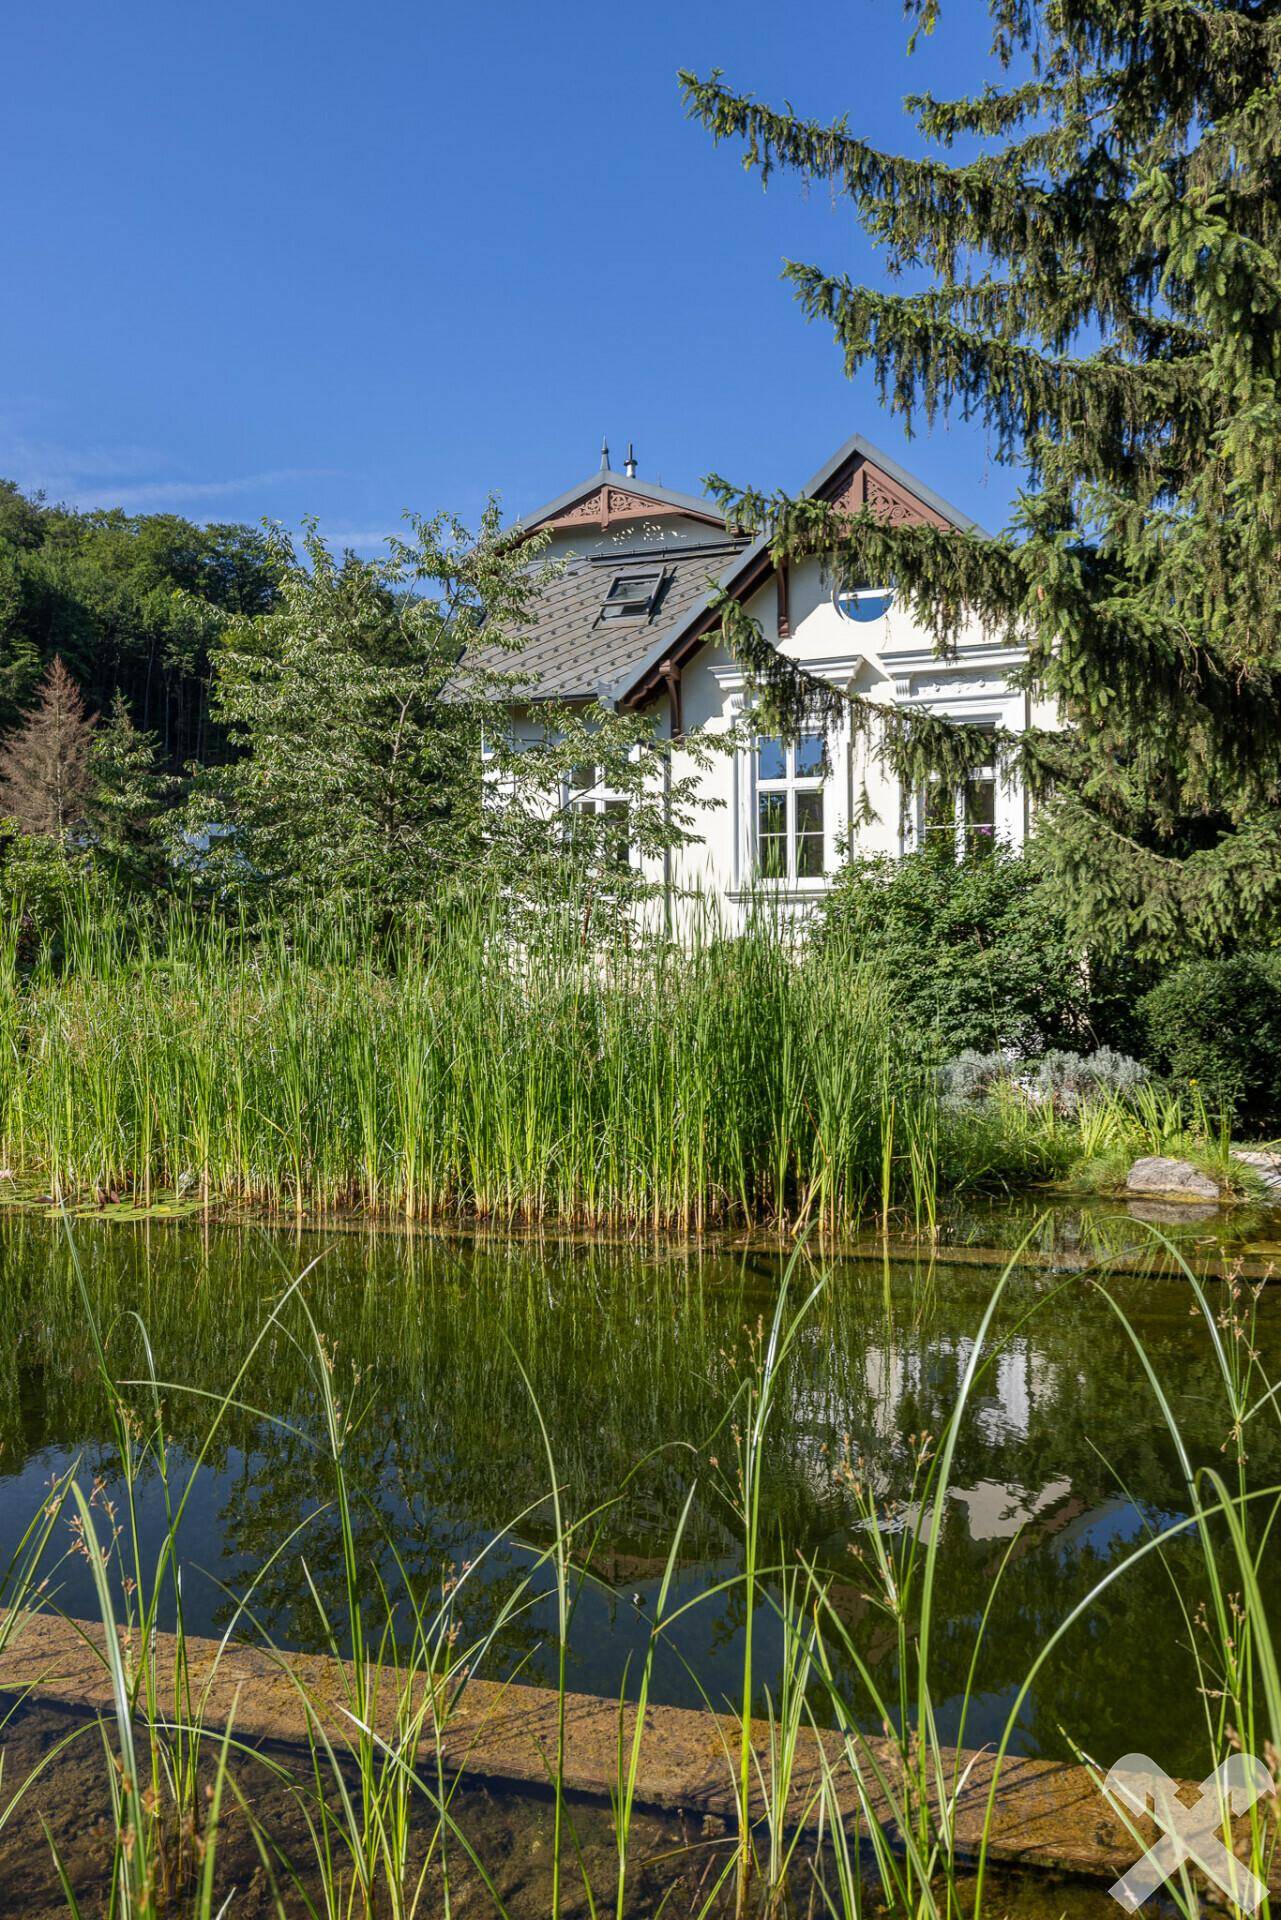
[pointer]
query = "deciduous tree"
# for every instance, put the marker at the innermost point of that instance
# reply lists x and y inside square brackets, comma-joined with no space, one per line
[369,714]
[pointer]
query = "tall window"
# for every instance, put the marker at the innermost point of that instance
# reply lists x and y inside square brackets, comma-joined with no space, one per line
[603,814]
[789,808]
[960,818]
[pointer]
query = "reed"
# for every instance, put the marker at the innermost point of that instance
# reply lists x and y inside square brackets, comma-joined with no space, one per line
[380,1808]
[450,1069]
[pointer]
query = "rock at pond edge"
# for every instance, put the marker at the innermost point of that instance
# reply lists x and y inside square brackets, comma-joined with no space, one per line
[1173,1179]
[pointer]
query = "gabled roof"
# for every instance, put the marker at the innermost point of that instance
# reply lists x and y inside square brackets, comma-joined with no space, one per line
[857,475]
[570,652]
[607,495]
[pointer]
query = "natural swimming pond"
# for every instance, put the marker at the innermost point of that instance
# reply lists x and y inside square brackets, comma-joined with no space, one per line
[633,1354]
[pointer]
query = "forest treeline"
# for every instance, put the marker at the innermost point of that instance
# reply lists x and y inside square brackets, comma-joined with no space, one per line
[133,604]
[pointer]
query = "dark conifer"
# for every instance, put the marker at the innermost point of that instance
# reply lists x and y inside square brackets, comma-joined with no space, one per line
[1106,298]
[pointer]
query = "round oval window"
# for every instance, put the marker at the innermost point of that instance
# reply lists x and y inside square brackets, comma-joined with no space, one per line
[862,604]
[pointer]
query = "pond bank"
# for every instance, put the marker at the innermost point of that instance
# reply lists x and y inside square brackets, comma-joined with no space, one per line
[1052,1229]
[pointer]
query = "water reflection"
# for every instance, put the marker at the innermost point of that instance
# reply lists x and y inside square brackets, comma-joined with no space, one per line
[1062,1463]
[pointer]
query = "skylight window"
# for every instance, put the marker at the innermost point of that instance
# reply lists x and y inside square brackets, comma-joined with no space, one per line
[631,593]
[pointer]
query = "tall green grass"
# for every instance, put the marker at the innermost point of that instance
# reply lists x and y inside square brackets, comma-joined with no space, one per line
[456,1070]
[463,1067]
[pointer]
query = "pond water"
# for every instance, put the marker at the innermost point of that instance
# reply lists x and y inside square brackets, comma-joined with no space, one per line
[1063,1462]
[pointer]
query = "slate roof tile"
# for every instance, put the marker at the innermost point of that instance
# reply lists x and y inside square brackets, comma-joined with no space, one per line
[569,652]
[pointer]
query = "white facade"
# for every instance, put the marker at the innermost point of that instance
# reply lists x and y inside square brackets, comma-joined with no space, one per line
[776,821]
[861,806]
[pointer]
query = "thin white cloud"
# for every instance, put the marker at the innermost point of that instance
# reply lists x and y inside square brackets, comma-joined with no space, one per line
[158,494]
[360,541]
[47,463]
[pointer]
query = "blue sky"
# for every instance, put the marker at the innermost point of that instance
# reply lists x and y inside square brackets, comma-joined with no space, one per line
[269,260]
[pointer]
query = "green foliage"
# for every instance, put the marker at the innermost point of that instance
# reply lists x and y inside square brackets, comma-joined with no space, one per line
[1218,1023]
[133,604]
[1105,296]
[129,801]
[45,887]
[978,953]
[374,760]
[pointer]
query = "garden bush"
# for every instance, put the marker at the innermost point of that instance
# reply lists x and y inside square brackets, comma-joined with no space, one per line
[1218,1023]
[979,955]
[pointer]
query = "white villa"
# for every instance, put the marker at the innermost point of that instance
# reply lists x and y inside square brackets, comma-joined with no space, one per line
[630,623]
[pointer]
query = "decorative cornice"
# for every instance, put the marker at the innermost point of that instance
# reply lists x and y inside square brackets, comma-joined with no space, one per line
[605,505]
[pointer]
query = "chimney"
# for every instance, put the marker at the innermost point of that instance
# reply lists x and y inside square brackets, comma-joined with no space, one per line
[629,465]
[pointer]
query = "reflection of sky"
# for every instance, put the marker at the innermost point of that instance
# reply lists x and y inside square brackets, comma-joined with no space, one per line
[1115,1523]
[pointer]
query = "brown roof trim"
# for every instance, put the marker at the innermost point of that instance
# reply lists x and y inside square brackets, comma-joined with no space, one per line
[607,497]
[858,477]
[695,635]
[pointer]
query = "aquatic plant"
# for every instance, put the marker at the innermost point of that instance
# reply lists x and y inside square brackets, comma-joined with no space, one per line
[378,1792]
[450,1070]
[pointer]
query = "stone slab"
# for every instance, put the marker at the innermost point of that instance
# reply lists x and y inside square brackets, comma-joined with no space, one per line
[1044,1814]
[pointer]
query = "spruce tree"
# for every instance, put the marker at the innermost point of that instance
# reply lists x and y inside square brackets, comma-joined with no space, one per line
[1103,292]
[129,797]
[45,764]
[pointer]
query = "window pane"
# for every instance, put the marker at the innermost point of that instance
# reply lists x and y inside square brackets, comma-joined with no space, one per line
[582,779]
[865,603]
[809,836]
[771,813]
[771,835]
[773,856]
[811,756]
[630,593]
[809,813]
[980,814]
[809,856]
[771,760]
[939,811]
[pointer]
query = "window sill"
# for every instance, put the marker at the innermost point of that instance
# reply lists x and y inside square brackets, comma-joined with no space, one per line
[782,889]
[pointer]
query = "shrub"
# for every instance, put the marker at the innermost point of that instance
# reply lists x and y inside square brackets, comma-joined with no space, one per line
[973,1075]
[1062,1079]
[1218,1023]
[1069,1078]
[979,956]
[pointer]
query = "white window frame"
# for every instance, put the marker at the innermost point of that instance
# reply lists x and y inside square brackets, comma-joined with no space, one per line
[597,799]
[789,786]
[926,834]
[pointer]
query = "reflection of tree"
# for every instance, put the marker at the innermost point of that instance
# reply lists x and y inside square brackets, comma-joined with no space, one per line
[632,1356]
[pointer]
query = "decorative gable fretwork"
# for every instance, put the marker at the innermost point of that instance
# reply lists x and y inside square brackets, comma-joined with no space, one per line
[866,486]
[603,506]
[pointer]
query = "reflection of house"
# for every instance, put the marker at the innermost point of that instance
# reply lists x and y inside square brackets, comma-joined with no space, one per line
[631,622]
[998,1509]
[1018,1378]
